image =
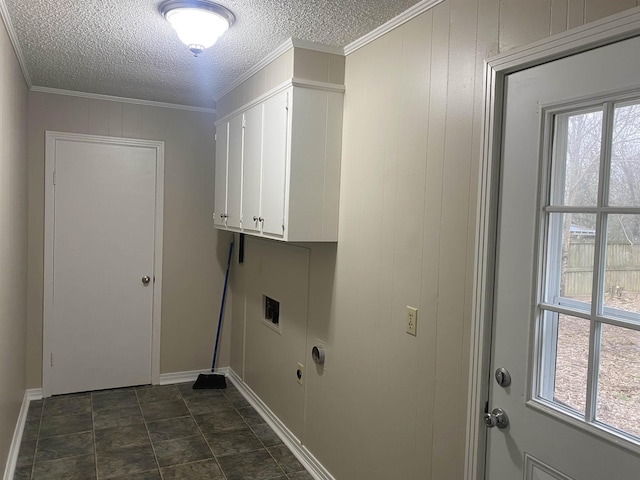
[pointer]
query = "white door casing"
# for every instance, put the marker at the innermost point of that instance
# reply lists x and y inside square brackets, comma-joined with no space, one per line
[103,233]
[606,31]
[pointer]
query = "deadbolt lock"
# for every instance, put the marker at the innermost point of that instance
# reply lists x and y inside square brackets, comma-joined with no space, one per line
[503,377]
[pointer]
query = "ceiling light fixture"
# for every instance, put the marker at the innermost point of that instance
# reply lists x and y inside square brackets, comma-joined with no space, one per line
[199,23]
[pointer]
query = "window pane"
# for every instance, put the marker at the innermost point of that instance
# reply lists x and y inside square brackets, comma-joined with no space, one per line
[619,379]
[576,162]
[570,254]
[622,264]
[565,360]
[624,188]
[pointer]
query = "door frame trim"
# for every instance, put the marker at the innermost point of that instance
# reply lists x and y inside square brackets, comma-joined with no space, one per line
[608,30]
[51,138]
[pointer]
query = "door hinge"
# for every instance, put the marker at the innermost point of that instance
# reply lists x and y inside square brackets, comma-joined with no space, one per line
[286,102]
[215,137]
[244,121]
[54,177]
[51,359]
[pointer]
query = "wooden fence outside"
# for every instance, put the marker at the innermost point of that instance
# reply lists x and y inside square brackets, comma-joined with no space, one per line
[622,264]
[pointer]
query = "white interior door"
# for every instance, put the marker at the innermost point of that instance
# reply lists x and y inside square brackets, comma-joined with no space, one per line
[100,322]
[567,299]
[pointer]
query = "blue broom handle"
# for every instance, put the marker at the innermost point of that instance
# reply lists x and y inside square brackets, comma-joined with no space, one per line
[224,294]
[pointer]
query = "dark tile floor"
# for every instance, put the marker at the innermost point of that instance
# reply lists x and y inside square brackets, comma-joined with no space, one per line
[152,433]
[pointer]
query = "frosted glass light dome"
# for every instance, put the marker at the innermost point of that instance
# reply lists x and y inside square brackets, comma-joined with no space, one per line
[198,23]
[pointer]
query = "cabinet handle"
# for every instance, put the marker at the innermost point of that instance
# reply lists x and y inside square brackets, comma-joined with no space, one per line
[223,215]
[260,219]
[255,219]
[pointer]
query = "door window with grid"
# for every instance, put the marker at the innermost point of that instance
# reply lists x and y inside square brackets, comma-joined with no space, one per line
[588,324]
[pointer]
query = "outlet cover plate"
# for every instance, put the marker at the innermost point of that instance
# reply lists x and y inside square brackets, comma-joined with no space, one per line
[412,320]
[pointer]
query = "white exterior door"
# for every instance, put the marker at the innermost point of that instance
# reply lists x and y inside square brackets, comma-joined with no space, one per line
[567,299]
[98,317]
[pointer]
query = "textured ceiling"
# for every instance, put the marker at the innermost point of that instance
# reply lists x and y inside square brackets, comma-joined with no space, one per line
[125,48]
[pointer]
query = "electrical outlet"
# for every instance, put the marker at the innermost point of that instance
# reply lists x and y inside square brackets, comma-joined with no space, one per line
[300,374]
[412,320]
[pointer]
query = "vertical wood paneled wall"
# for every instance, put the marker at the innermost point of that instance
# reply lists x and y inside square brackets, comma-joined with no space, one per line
[411,153]
[13,240]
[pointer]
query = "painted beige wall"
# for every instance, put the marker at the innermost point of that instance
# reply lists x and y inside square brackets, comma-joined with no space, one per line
[13,240]
[388,405]
[195,254]
[280,272]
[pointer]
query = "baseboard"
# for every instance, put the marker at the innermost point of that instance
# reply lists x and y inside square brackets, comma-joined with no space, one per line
[311,463]
[182,377]
[14,449]
[34,394]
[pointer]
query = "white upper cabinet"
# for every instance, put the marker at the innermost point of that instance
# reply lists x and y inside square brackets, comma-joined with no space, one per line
[282,170]
[252,169]
[234,171]
[228,173]
[220,194]
[274,164]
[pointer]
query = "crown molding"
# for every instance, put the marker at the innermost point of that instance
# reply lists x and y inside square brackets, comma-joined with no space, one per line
[135,101]
[318,47]
[290,43]
[6,18]
[282,48]
[395,22]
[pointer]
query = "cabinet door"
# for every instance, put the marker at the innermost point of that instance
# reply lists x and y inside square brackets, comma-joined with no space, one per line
[274,160]
[252,169]
[234,172]
[220,183]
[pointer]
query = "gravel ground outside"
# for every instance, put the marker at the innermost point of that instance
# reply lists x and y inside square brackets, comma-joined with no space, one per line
[619,372]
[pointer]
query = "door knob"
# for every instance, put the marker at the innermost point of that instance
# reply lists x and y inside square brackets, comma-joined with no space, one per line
[145,280]
[497,418]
